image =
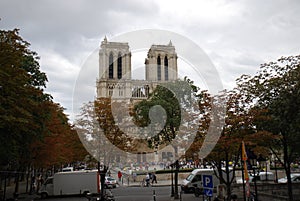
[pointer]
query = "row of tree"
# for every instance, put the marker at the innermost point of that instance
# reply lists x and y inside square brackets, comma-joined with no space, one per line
[263,111]
[34,130]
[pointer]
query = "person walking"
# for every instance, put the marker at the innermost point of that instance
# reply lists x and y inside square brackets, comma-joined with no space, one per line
[134,176]
[120,176]
[148,176]
[153,176]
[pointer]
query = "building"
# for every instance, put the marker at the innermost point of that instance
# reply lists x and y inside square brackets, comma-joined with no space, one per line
[115,79]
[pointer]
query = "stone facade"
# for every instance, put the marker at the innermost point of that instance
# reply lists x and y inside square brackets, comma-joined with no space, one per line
[115,70]
[115,81]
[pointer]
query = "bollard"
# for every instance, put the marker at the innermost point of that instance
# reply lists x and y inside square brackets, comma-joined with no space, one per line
[180,196]
[154,195]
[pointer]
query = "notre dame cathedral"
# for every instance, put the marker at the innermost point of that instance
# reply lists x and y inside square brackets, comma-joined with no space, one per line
[115,70]
[115,79]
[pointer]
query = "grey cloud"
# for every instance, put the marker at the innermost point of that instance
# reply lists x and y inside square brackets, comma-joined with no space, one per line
[253,32]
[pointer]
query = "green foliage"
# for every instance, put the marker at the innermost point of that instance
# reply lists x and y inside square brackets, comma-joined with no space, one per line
[20,96]
[172,97]
[169,171]
[25,110]
[275,90]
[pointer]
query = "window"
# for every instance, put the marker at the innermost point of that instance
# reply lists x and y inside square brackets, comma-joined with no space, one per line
[110,92]
[166,68]
[139,157]
[119,66]
[111,66]
[120,92]
[49,181]
[196,178]
[158,68]
[144,157]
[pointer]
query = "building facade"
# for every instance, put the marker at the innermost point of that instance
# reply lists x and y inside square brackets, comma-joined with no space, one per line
[115,70]
[115,81]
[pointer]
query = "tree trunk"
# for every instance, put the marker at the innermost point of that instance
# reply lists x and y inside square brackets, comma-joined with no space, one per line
[227,182]
[287,166]
[176,195]
[16,192]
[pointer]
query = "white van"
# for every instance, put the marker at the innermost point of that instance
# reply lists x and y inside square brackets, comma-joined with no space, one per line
[194,180]
[71,183]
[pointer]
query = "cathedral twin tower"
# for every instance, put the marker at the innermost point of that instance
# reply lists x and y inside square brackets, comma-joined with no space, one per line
[115,70]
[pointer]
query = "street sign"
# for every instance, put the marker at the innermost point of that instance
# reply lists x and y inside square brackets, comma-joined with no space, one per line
[207,181]
[208,192]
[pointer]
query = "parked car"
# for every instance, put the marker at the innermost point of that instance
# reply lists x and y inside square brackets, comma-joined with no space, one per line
[261,176]
[269,176]
[294,177]
[239,180]
[110,182]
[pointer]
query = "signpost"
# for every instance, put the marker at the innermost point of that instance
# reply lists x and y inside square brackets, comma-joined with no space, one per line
[208,185]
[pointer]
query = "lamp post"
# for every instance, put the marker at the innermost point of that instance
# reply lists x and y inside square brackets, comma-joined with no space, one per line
[276,176]
[263,163]
[172,184]
[253,163]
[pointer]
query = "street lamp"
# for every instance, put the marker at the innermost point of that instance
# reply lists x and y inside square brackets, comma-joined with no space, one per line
[253,163]
[263,163]
[172,184]
[276,175]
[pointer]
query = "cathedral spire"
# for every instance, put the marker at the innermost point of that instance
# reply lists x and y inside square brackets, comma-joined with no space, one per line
[170,43]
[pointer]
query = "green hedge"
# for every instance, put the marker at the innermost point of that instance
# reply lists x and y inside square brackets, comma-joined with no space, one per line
[166,171]
[169,171]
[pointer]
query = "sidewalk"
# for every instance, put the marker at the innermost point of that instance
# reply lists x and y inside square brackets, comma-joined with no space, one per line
[139,183]
[22,195]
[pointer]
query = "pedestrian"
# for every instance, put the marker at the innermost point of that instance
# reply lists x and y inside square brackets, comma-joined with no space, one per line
[154,178]
[120,175]
[148,176]
[134,176]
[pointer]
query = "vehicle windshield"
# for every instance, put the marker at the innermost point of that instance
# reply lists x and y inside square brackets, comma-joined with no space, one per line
[190,177]
[110,179]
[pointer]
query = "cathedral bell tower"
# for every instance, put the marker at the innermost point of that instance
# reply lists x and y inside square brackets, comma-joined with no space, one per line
[114,69]
[161,63]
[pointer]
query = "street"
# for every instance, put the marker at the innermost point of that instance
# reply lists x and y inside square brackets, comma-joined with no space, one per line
[136,194]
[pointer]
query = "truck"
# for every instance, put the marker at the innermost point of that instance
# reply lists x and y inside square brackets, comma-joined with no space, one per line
[71,183]
[193,182]
[194,179]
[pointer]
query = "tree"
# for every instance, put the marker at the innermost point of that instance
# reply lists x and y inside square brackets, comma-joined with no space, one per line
[275,89]
[21,97]
[96,130]
[33,129]
[163,112]
[59,143]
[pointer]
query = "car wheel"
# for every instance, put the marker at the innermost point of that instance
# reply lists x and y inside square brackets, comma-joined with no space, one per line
[197,192]
[44,195]
[192,190]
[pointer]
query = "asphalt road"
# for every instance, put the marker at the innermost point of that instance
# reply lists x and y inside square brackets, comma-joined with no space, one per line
[135,194]
[147,194]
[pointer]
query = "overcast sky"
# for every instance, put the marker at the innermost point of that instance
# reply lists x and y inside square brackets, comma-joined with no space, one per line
[236,35]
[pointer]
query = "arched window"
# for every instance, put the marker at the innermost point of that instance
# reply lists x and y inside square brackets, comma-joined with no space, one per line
[111,66]
[119,66]
[166,68]
[158,68]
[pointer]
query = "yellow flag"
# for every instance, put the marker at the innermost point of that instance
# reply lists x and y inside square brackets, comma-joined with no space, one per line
[244,154]
[244,158]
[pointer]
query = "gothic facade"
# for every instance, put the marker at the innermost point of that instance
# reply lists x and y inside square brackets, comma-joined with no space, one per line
[115,80]
[115,70]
